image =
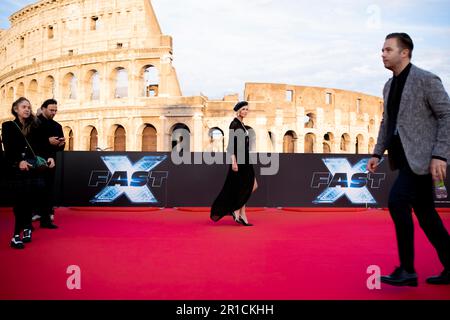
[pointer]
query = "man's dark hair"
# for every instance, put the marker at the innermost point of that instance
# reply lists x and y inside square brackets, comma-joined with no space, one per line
[404,41]
[48,102]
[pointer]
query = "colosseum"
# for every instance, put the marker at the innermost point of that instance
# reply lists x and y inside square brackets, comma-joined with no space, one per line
[117,88]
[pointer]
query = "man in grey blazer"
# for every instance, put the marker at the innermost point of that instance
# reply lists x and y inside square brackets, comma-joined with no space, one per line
[415,130]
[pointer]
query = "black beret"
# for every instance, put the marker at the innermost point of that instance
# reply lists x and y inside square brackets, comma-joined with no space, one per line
[240,105]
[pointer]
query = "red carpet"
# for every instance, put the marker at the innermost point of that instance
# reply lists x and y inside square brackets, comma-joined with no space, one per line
[182,255]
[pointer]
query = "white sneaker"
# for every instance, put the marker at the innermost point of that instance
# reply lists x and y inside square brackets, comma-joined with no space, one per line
[16,242]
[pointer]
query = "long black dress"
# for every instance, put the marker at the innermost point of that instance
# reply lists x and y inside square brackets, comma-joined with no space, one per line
[238,185]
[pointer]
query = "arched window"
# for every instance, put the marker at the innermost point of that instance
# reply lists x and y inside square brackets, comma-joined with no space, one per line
[149,138]
[121,83]
[310,121]
[345,142]
[68,133]
[328,141]
[32,94]
[150,81]
[180,132]
[289,140]
[216,140]
[359,144]
[69,89]
[93,139]
[49,88]
[21,90]
[310,140]
[10,96]
[120,139]
[93,85]
[71,140]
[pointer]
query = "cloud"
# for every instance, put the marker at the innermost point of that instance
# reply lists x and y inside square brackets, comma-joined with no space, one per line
[326,43]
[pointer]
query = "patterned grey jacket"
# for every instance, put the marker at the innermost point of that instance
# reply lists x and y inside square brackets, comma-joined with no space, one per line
[423,120]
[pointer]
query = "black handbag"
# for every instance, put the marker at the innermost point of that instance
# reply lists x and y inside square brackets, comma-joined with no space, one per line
[37,162]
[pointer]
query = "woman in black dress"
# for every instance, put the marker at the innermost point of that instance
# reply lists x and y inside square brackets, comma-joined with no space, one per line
[240,182]
[23,139]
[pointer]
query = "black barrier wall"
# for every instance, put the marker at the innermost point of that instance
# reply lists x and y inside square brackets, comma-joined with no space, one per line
[153,179]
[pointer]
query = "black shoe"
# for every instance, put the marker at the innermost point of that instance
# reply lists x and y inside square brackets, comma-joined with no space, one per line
[26,236]
[236,219]
[443,278]
[245,223]
[400,278]
[16,242]
[49,225]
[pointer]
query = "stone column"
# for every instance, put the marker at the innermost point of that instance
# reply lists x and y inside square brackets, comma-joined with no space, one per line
[133,78]
[77,136]
[103,133]
[80,87]
[131,137]
[300,142]
[197,133]
[320,118]
[165,67]
[104,84]
[163,135]
[58,85]
[279,134]
[261,135]
[318,146]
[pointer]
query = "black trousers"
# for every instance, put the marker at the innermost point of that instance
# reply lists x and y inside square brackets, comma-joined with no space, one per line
[412,191]
[46,205]
[28,190]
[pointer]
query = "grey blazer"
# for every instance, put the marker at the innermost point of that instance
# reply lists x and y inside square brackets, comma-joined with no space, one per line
[423,120]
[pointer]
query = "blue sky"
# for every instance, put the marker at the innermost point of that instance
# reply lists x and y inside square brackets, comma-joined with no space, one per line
[221,44]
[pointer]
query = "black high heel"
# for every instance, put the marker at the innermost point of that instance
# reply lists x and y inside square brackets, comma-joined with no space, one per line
[245,223]
[236,219]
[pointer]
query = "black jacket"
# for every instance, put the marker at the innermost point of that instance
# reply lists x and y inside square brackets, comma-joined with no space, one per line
[239,141]
[1,155]
[16,148]
[51,128]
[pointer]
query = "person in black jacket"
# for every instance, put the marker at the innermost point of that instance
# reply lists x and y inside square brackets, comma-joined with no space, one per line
[3,182]
[23,140]
[56,142]
[1,156]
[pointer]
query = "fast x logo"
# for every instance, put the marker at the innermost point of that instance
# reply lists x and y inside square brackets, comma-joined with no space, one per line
[343,179]
[125,178]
